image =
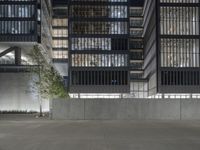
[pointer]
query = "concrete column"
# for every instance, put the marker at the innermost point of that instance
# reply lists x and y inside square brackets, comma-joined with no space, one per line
[17,56]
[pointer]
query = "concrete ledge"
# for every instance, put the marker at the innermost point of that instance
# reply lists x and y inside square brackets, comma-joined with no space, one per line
[126,109]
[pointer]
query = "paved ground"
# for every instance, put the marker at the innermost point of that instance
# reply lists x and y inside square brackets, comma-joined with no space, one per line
[33,134]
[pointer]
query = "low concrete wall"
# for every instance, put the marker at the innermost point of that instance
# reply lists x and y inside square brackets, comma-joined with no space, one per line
[131,109]
[126,109]
[68,109]
[190,109]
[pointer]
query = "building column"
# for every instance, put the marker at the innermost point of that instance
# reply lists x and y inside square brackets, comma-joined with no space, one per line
[17,56]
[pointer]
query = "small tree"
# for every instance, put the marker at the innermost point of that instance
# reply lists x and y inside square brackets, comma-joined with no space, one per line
[49,83]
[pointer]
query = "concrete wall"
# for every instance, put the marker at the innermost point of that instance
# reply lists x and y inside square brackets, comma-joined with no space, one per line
[16,93]
[190,109]
[126,109]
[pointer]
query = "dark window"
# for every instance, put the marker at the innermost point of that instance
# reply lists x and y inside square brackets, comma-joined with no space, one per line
[186,78]
[99,78]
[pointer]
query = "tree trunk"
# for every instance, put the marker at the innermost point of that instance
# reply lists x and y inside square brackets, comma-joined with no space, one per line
[40,99]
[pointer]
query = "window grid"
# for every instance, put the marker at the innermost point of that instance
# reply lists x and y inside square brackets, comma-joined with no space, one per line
[99,27]
[178,78]
[180,53]
[99,60]
[91,11]
[99,77]
[179,20]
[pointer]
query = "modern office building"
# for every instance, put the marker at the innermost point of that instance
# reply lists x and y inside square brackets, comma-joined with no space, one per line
[178,57]
[112,48]
[24,23]
[171,46]
[98,49]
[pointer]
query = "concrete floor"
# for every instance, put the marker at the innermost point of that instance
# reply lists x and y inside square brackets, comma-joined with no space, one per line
[33,134]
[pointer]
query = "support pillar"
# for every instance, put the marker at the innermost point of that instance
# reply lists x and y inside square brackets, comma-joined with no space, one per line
[17,56]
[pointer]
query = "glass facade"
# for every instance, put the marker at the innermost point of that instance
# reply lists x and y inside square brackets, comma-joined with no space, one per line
[178,20]
[180,52]
[17,27]
[98,41]
[139,89]
[60,43]
[89,11]
[18,17]
[109,43]
[179,43]
[104,44]
[99,27]
[60,22]
[60,54]
[99,60]
[179,1]
[26,20]
[17,11]
[182,24]
[60,34]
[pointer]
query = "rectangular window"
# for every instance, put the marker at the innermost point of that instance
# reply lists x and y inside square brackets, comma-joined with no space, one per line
[17,27]
[179,1]
[91,44]
[99,60]
[180,52]
[177,78]
[89,11]
[99,27]
[17,11]
[179,20]
[99,78]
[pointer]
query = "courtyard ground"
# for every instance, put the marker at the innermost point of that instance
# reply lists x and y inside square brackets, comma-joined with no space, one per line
[28,133]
